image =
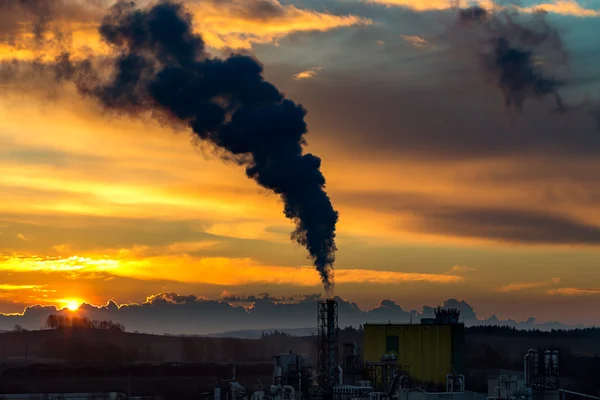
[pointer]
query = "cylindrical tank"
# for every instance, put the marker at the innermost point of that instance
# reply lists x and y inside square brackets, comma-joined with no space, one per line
[547,361]
[217,394]
[554,358]
[277,374]
[526,366]
[535,363]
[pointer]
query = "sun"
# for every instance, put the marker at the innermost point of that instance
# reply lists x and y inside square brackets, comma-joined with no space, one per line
[72,305]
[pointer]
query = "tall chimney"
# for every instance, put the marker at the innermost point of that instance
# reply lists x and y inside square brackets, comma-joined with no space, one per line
[328,345]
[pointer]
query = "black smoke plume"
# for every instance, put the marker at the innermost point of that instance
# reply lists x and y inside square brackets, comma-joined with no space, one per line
[161,66]
[512,61]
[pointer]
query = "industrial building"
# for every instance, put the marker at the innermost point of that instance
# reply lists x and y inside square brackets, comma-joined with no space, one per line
[429,351]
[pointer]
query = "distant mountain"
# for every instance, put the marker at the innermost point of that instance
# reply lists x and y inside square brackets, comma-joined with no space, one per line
[174,314]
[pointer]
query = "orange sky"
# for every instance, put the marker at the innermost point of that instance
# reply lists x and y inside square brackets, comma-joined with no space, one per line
[96,207]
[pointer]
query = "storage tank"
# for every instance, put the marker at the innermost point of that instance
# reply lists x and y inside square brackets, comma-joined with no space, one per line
[535,363]
[547,361]
[554,358]
[217,393]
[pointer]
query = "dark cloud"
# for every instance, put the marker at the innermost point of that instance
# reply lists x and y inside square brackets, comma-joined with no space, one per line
[515,43]
[442,103]
[452,116]
[511,225]
[506,225]
[172,313]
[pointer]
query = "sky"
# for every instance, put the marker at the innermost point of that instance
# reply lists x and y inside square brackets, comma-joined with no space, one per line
[450,179]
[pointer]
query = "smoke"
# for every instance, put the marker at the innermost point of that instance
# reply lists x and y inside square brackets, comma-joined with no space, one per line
[511,54]
[38,16]
[161,67]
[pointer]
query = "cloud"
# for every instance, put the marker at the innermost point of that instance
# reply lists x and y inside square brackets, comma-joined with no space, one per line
[418,5]
[5,287]
[349,106]
[416,41]
[190,314]
[55,264]
[210,270]
[570,291]
[308,74]
[390,277]
[509,49]
[38,16]
[242,23]
[22,237]
[241,298]
[441,216]
[41,28]
[418,124]
[564,7]
[520,286]
[171,298]
[514,226]
[461,269]
[561,7]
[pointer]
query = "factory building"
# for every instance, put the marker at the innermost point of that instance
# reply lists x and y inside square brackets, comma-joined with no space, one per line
[429,351]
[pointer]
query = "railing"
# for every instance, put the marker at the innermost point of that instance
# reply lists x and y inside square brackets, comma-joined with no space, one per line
[563,395]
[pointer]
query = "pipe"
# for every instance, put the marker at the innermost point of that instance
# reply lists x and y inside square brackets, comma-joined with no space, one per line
[291,390]
[525,362]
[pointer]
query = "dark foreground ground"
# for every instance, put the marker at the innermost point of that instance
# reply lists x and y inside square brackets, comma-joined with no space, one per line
[188,367]
[193,381]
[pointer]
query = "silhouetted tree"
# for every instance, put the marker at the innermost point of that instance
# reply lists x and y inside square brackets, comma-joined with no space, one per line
[61,322]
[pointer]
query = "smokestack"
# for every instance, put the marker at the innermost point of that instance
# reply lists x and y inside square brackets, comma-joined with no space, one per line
[332,319]
[328,345]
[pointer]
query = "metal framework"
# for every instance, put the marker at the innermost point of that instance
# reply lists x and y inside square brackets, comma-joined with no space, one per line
[351,363]
[381,374]
[328,345]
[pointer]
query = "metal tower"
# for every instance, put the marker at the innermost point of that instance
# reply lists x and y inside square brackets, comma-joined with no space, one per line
[328,345]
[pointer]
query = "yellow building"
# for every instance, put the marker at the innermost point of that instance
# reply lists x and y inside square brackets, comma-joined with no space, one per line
[427,351]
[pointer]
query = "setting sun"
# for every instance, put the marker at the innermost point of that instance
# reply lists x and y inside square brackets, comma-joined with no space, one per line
[72,305]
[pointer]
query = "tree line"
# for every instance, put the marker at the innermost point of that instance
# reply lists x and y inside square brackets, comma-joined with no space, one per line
[505,330]
[511,331]
[62,322]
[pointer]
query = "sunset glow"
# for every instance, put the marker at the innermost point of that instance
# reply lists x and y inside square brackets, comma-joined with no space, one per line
[443,191]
